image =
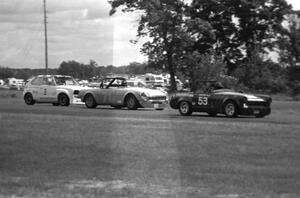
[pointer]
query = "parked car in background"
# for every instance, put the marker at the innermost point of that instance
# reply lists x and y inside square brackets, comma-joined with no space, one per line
[135,83]
[115,92]
[56,89]
[15,84]
[213,99]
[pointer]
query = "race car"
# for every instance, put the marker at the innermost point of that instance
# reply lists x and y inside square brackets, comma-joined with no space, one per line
[217,100]
[115,92]
[56,89]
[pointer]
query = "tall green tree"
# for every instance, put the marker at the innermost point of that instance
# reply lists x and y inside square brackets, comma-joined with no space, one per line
[258,74]
[241,26]
[164,22]
[289,45]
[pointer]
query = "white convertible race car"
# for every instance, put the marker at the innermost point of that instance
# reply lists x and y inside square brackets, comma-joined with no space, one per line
[115,92]
[55,89]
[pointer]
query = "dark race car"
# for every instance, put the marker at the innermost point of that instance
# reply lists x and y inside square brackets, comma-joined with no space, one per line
[216,100]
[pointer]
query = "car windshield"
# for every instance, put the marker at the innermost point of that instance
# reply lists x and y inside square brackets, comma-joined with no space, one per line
[65,80]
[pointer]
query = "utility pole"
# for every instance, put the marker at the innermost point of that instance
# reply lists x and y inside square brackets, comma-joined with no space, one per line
[46,39]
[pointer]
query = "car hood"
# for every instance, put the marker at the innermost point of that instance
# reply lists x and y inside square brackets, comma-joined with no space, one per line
[249,97]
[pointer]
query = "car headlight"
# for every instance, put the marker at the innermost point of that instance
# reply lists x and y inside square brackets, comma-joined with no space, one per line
[145,96]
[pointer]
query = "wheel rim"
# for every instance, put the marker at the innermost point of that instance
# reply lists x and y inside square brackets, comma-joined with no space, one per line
[63,100]
[230,109]
[89,101]
[184,107]
[28,99]
[130,102]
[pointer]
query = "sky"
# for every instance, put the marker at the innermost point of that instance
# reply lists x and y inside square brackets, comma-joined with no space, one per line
[79,30]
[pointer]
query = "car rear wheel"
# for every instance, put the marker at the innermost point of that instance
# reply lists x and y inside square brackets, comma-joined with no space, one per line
[230,109]
[131,102]
[63,100]
[90,101]
[29,99]
[185,108]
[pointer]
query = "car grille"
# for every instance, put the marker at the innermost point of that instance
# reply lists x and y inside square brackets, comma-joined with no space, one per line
[158,98]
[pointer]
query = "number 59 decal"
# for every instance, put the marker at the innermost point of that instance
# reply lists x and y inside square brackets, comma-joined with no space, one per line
[202,100]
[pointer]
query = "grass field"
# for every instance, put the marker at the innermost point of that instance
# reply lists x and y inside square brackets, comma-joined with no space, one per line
[58,154]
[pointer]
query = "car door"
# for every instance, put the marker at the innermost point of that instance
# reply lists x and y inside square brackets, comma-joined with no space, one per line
[203,102]
[117,95]
[103,96]
[47,91]
[108,94]
[35,86]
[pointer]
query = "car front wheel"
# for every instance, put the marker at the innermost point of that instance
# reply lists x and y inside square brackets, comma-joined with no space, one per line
[230,109]
[185,108]
[90,101]
[29,99]
[131,102]
[63,100]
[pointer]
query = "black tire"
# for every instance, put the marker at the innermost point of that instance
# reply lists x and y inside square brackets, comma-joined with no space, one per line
[29,99]
[90,101]
[230,109]
[185,108]
[131,102]
[63,100]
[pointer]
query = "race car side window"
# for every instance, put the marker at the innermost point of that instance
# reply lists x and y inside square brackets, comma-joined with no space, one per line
[48,81]
[37,81]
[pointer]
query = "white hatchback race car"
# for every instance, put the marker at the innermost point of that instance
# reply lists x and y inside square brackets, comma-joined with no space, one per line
[56,89]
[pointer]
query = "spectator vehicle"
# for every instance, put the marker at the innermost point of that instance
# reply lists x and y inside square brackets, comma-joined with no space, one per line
[56,89]
[214,99]
[115,92]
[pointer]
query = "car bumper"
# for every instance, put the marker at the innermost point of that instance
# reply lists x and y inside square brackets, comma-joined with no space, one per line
[154,104]
[257,111]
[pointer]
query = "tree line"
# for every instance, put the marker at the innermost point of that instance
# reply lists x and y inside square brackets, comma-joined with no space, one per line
[236,35]
[79,70]
[265,76]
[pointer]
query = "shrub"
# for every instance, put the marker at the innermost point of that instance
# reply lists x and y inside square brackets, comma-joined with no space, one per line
[264,76]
